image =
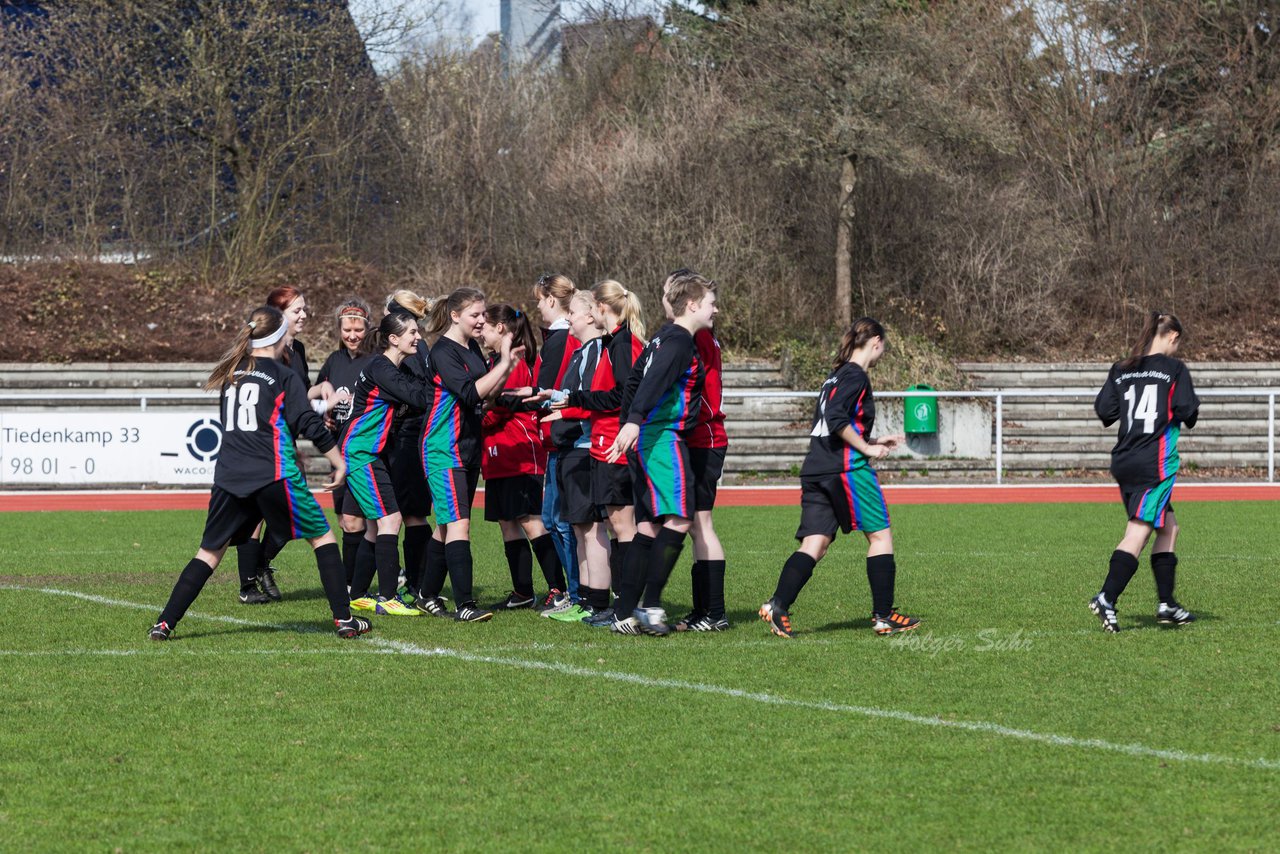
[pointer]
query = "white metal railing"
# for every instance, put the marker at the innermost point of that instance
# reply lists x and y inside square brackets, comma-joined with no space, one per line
[140,397]
[999,395]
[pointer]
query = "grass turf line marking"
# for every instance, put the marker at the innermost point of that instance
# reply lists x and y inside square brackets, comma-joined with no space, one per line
[984,727]
[1137,750]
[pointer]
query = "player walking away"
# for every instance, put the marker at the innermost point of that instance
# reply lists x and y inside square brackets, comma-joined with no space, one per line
[264,406]
[665,406]
[839,488]
[382,391]
[257,575]
[618,312]
[405,463]
[461,383]
[707,446]
[514,462]
[553,292]
[336,382]
[1151,395]
[569,431]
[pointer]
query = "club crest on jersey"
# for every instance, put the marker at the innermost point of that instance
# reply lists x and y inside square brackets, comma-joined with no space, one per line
[342,409]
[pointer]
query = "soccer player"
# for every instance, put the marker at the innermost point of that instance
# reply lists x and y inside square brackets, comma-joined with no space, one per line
[664,407]
[553,292]
[336,381]
[708,443]
[257,575]
[461,382]
[382,391]
[514,462]
[1151,395]
[264,406]
[618,312]
[839,489]
[570,430]
[405,463]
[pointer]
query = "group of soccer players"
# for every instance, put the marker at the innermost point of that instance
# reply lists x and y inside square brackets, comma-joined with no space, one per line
[600,454]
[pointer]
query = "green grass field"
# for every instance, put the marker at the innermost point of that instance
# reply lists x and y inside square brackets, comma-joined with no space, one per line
[1008,720]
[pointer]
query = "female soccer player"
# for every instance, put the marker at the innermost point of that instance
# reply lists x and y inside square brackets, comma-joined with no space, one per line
[382,389]
[514,462]
[553,292]
[1151,395]
[257,575]
[461,383]
[840,490]
[570,431]
[405,463]
[617,311]
[668,381]
[264,406]
[337,380]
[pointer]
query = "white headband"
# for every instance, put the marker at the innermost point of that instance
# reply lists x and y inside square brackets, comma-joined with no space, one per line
[255,343]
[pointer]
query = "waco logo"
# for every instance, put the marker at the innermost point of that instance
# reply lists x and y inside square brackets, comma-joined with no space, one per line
[204,440]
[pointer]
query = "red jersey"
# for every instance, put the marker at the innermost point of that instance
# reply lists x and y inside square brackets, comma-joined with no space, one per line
[709,432]
[558,347]
[512,442]
[600,404]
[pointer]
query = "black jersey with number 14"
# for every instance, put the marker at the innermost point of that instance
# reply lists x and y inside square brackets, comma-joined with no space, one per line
[1151,400]
[263,411]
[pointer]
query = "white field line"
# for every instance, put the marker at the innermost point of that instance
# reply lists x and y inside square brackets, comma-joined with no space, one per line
[983,727]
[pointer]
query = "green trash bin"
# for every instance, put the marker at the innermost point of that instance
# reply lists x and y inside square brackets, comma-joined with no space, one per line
[921,413]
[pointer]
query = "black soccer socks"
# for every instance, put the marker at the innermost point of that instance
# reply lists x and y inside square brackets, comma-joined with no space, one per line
[520,565]
[1163,567]
[386,550]
[663,556]
[795,574]
[1123,566]
[190,583]
[881,575]
[415,548]
[332,579]
[435,570]
[634,566]
[458,557]
[248,561]
[544,549]
[350,549]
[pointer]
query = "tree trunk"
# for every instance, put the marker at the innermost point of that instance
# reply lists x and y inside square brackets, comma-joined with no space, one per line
[844,240]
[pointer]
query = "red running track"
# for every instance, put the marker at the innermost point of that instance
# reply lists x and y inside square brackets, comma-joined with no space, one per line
[732,496]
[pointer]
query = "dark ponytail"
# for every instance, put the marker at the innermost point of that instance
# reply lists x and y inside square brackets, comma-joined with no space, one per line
[859,333]
[395,323]
[1158,323]
[517,323]
[263,322]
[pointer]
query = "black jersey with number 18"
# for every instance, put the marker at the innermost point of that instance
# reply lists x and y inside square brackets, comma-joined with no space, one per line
[1151,400]
[263,412]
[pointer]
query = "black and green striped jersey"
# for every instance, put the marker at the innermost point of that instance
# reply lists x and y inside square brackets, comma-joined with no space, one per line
[667,378]
[1151,400]
[845,400]
[264,410]
[451,429]
[381,393]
